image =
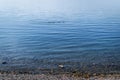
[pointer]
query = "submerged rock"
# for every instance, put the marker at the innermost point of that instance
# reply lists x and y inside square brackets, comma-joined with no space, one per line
[4,62]
[61,66]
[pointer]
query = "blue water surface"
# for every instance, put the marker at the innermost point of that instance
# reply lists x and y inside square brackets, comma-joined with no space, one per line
[88,38]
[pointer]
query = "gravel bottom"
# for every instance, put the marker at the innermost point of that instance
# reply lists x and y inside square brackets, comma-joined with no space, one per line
[54,77]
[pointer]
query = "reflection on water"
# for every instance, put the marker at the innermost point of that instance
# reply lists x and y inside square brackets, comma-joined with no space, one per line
[47,42]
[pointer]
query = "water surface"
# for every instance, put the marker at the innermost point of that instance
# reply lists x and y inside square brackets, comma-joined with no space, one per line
[84,40]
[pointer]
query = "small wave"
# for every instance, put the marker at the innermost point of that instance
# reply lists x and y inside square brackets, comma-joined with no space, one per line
[55,22]
[39,22]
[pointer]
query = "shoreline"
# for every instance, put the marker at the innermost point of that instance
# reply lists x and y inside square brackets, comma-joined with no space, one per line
[90,72]
[12,76]
[58,71]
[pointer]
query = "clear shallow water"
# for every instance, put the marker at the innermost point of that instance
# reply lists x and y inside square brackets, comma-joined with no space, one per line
[88,39]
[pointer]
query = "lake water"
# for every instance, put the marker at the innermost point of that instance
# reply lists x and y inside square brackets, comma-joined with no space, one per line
[83,41]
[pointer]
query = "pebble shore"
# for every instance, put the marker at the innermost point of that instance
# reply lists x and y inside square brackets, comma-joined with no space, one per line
[54,77]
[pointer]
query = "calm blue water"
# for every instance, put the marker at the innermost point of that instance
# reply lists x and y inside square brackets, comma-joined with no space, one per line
[84,39]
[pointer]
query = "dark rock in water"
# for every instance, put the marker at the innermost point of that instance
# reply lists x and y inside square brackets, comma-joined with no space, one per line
[4,62]
[55,22]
